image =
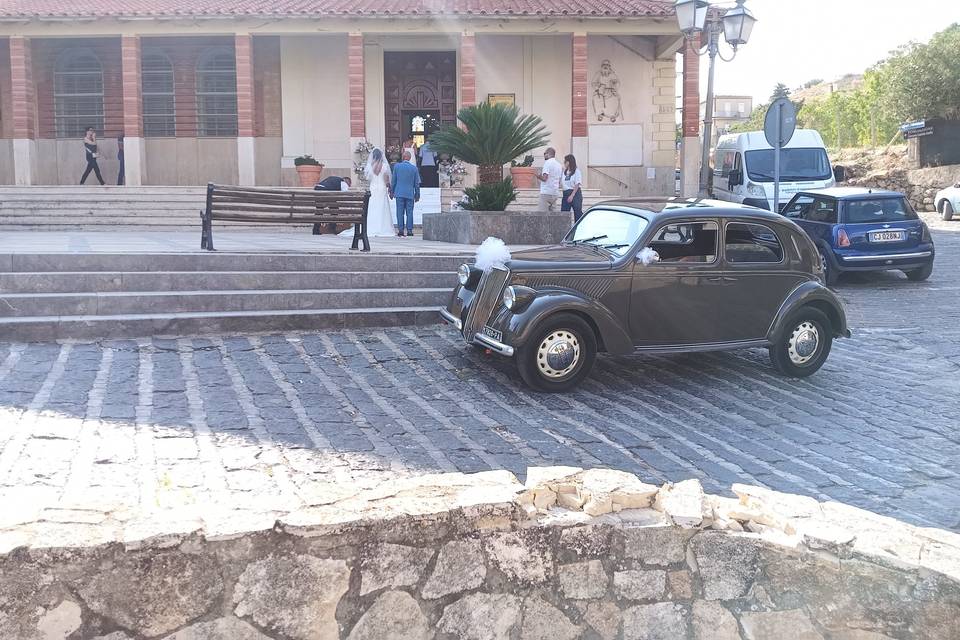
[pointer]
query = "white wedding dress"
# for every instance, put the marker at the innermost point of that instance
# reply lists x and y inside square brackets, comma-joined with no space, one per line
[380,214]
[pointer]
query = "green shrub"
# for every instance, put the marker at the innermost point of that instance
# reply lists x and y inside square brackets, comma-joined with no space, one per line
[526,162]
[493,196]
[306,160]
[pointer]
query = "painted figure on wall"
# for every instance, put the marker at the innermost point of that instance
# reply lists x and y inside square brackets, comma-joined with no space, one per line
[606,94]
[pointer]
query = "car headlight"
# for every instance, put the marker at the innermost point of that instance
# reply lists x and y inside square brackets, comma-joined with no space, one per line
[463,274]
[756,190]
[509,297]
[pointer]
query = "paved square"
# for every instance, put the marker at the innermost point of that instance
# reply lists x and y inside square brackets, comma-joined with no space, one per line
[111,432]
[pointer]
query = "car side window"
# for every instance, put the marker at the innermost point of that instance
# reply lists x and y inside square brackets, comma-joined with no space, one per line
[751,243]
[822,210]
[797,207]
[686,242]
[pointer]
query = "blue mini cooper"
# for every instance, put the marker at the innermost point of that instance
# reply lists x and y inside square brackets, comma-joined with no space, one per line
[858,229]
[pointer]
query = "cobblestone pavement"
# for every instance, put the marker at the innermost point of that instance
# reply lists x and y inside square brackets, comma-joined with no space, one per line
[116,429]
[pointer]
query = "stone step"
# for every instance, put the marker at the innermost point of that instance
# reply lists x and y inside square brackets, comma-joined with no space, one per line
[23,305]
[149,281]
[45,328]
[442,261]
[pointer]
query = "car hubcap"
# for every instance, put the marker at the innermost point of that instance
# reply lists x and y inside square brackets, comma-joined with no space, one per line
[558,354]
[803,343]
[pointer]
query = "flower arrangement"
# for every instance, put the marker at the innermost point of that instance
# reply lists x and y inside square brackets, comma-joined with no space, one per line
[393,153]
[364,147]
[452,171]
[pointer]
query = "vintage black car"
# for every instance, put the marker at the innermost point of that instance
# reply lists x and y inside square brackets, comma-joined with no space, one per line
[654,276]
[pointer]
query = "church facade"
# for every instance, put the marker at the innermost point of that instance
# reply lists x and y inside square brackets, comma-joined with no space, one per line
[233,92]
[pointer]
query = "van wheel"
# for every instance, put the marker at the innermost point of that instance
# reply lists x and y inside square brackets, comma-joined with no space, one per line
[830,274]
[559,355]
[946,211]
[804,345]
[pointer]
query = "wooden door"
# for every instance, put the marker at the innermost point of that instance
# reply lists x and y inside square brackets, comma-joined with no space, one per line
[418,81]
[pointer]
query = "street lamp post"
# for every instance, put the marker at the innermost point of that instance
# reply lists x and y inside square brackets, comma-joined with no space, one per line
[736,24]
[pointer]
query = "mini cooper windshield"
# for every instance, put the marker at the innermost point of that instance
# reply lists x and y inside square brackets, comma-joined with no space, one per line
[610,229]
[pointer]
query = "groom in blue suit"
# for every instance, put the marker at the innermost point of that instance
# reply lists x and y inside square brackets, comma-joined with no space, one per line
[405,188]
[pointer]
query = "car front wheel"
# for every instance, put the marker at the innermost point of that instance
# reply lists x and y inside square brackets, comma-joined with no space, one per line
[804,345]
[559,355]
[946,212]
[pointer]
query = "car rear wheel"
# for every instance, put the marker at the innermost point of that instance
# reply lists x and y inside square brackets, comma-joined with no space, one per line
[921,274]
[830,274]
[946,211]
[559,355]
[804,345]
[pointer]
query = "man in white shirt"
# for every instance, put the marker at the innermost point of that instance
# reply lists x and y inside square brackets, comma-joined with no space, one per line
[550,180]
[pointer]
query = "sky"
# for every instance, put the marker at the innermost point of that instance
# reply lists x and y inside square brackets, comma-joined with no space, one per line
[800,40]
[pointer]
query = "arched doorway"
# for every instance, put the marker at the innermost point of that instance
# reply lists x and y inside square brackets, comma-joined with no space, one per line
[420,93]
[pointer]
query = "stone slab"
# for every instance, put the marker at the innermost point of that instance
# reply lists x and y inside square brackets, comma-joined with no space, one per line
[513,227]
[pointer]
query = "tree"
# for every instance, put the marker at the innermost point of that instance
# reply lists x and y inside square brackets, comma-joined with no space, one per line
[923,80]
[492,136]
[780,91]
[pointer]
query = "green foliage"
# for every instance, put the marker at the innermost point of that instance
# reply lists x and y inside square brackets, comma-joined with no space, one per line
[526,162]
[923,80]
[917,81]
[489,197]
[810,83]
[780,91]
[306,160]
[492,136]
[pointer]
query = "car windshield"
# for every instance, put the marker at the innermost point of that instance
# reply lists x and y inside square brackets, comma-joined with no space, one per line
[878,210]
[614,230]
[795,165]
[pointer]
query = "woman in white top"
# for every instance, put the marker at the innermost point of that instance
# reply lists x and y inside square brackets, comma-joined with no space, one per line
[411,146]
[571,181]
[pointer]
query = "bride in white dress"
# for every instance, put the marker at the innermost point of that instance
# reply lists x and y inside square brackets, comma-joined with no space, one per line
[380,214]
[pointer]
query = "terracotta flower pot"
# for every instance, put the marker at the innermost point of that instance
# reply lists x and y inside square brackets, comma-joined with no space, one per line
[524,177]
[309,174]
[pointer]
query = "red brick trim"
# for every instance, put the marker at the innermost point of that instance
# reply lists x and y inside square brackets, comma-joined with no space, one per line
[243,50]
[691,90]
[21,80]
[468,70]
[578,114]
[358,114]
[132,96]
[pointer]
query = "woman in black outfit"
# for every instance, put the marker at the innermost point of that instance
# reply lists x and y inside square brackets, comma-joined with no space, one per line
[90,144]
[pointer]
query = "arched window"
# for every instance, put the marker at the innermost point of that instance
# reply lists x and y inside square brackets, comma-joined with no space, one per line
[77,93]
[217,93]
[156,81]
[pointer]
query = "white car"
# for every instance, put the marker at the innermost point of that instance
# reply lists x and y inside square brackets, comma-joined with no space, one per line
[948,201]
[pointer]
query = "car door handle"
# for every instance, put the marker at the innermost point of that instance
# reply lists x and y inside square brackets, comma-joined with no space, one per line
[716,279]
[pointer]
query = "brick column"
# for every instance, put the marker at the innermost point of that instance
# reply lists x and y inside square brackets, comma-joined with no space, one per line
[133,148]
[246,152]
[578,113]
[358,106]
[690,122]
[22,111]
[468,70]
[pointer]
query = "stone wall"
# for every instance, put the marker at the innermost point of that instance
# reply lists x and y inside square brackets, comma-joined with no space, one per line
[880,169]
[571,554]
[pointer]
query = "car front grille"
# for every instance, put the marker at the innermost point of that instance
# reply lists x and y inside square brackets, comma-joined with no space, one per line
[488,295]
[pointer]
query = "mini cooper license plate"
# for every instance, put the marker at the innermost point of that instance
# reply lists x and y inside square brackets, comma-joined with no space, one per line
[492,333]
[887,236]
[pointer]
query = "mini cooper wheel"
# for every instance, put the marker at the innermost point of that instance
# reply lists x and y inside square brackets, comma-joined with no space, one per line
[559,354]
[946,211]
[804,345]
[921,274]
[830,274]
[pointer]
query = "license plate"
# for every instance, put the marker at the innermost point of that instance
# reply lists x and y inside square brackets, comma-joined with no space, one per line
[493,333]
[887,236]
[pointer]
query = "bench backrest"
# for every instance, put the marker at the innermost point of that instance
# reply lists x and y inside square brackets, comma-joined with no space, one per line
[226,202]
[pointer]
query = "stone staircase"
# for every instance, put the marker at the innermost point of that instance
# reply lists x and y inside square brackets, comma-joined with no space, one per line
[96,295]
[109,208]
[527,199]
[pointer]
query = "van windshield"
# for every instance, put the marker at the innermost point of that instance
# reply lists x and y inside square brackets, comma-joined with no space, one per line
[795,165]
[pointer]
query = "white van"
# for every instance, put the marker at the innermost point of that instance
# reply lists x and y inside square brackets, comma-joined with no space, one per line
[743,168]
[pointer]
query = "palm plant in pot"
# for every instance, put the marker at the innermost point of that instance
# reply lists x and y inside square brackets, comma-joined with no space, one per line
[491,136]
[309,170]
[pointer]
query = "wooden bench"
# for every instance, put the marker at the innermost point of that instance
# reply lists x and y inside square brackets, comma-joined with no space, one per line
[278,205]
